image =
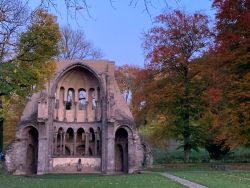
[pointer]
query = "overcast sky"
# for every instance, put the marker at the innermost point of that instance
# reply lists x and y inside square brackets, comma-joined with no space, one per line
[117,29]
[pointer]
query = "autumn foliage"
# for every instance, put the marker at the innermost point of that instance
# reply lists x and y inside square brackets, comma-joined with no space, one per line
[195,85]
[232,52]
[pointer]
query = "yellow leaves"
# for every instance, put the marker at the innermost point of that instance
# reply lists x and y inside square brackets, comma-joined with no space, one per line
[49,68]
[14,108]
[161,119]
[5,106]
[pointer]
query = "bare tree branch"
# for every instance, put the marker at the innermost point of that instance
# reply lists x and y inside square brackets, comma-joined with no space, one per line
[79,6]
[74,45]
[13,17]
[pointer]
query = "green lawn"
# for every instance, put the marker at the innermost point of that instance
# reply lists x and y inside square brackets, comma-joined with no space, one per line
[148,180]
[200,174]
[216,179]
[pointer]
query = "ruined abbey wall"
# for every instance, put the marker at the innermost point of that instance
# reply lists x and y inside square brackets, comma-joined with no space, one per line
[78,123]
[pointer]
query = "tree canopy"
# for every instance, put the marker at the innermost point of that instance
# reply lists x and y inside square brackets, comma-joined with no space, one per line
[231,81]
[172,46]
[32,62]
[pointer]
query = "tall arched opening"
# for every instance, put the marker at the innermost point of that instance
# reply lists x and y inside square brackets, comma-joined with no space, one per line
[121,150]
[78,90]
[32,151]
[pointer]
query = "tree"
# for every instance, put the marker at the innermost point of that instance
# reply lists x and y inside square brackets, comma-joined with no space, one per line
[171,46]
[13,17]
[74,45]
[126,77]
[131,80]
[231,80]
[32,64]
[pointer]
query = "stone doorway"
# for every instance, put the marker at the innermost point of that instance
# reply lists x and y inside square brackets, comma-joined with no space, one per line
[32,151]
[121,150]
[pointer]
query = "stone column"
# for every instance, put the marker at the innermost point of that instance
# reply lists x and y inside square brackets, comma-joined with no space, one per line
[100,143]
[110,148]
[95,152]
[132,152]
[61,143]
[64,135]
[57,108]
[96,110]
[86,110]
[101,108]
[74,146]
[108,109]
[55,145]
[75,114]
[42,155]
[64,111]
[104,133]
[87,144]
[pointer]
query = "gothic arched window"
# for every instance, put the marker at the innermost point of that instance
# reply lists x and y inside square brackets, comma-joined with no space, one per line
[92,98]
[82,98]
[70,97]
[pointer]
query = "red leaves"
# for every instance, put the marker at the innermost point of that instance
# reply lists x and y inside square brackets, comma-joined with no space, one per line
[229,92]
[214,95]
[233,18]
[176,38]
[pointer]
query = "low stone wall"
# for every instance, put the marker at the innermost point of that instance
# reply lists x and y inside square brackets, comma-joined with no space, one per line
[88,164]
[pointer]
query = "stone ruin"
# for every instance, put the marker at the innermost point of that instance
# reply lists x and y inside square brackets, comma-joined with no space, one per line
[78,123]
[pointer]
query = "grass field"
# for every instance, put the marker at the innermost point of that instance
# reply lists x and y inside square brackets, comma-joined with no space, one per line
[148,180]
[201,174]
[216,179]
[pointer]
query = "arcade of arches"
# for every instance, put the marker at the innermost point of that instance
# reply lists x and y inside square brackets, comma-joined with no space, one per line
[77,142]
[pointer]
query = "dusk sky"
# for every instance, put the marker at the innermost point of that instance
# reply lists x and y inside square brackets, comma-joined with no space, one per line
[118,30]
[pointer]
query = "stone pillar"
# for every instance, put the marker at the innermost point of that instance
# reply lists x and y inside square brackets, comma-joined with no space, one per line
[101,109]
[100,143]
[64,135]
[61,143]
[95,151]
[96,110]
[86,110]
[55,145]
[108,110]
[42,156]
[57,108]
[131,153]
[64,111]
[104,133]
[110,148]
[74,146]
[86,144]
[75,114]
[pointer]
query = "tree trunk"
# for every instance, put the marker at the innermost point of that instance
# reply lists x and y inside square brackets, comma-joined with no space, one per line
[1,135]
[1,127]
[186,148]
[186,128]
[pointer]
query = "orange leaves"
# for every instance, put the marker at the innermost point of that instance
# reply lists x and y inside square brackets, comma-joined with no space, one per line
[214,95]
[232,25]
[232,45]
[176,38]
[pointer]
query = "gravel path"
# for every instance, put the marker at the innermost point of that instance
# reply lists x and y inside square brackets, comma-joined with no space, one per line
[182,181]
